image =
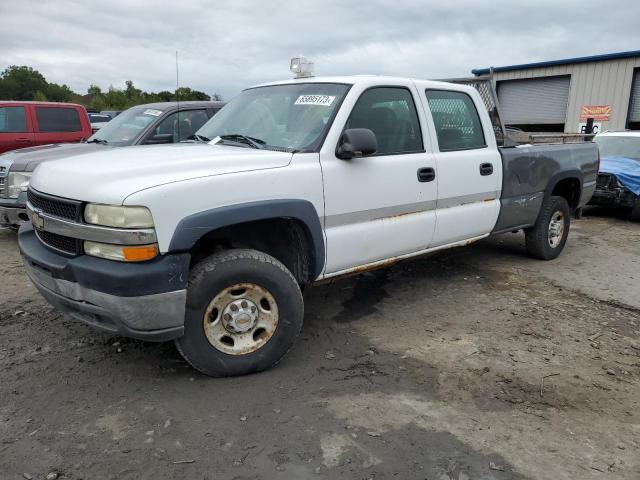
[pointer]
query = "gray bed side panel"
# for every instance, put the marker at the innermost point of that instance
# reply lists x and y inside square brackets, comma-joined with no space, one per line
[529,173]
[518,212]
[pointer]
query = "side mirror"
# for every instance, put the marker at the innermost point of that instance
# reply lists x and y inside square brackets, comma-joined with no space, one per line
[356,142]
[160,138]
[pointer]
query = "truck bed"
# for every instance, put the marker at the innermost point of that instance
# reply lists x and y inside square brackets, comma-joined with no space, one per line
[530,172]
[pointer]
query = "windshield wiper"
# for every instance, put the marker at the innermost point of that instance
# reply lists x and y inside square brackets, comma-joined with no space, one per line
[199,138]
[101,141]
[251,141]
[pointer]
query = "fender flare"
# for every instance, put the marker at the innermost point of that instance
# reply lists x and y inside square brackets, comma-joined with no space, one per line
[190,229]
[558,177]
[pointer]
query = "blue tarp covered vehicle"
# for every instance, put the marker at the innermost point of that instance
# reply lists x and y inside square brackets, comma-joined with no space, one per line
[618,183]
[626,170]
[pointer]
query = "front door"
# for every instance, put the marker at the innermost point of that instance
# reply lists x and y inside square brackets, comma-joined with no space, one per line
[380,206]
[14,128]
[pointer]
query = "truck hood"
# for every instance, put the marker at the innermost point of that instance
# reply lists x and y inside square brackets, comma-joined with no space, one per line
[27,159]
[627,170]
[111,175]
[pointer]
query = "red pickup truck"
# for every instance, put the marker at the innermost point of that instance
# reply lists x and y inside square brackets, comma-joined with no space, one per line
[26,124]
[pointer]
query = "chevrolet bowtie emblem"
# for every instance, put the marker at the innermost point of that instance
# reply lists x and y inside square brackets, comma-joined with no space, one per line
[37,220]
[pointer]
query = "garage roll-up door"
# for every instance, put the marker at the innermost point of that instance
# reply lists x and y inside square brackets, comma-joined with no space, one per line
[634,109]
[534,101]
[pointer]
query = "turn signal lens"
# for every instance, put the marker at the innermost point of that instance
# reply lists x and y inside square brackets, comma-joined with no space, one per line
[121,253]
[140,253]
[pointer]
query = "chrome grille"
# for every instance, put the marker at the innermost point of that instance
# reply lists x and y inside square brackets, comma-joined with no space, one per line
[2,186]
[58,207]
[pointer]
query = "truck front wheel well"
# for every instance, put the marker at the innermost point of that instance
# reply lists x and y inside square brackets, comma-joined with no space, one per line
[569,189]
[285,239]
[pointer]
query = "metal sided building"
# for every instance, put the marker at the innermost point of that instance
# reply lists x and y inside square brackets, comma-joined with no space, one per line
[559,95]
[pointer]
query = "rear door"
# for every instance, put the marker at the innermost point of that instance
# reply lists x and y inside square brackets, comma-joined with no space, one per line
[468,163]
[59,124]
[15,128]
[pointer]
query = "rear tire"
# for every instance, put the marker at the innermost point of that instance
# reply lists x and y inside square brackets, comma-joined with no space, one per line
[244,312]
[547,238]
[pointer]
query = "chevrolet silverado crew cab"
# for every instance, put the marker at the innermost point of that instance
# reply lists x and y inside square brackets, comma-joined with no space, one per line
[149,124]
[209,243]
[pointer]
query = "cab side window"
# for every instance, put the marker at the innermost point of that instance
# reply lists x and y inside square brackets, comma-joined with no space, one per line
[182,124]
[12,119]
[456,119]
[58,119]
[391,114]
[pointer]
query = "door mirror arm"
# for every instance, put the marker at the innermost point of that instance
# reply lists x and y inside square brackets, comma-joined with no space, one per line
[356,142]
[159,139]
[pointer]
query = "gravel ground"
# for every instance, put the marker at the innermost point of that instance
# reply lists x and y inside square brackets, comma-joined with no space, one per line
[476,363]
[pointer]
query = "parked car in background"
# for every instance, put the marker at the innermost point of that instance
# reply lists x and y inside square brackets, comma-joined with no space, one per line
[209,242]
[111,113]
[153,123]
[618,182]
[25,124]
[98,121]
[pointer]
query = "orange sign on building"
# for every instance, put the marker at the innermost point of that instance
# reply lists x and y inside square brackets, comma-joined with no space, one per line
[597,112]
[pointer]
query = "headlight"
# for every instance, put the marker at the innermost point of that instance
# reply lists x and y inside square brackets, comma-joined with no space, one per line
[122,253]
[119,217]
[17,182]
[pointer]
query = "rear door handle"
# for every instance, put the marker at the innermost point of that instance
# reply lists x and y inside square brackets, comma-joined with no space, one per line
[22,140]
[426,174]
[486,169]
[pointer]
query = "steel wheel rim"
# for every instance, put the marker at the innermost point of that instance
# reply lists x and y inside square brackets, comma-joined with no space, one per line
[556,229]
[241,319]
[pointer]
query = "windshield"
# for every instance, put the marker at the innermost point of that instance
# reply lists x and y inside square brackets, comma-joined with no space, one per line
[618,146]
[291,117]
[124,129]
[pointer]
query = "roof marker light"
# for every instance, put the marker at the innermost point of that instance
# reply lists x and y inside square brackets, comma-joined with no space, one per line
[301,67]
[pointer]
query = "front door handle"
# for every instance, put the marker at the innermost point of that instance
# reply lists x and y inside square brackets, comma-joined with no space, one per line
[22,140]
[486,169]
[426,174]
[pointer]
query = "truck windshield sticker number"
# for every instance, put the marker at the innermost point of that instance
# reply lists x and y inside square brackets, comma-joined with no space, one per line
[322,100]
[151,111]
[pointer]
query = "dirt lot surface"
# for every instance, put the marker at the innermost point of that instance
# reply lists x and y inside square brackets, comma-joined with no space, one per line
[476,363]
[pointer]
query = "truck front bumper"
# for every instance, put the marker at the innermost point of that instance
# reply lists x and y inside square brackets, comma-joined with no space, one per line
[13,211]
[144,301]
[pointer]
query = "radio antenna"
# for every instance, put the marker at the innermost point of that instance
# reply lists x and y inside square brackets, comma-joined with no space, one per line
[177,95]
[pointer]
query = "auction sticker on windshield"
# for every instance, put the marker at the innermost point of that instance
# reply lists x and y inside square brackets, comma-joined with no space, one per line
[151,111]
[322,100]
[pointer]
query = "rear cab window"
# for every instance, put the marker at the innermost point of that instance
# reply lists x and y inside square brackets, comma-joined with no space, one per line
[58,119]
[13,119]
[456,120]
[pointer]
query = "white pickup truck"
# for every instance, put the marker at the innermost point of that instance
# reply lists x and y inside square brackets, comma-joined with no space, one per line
[209,243]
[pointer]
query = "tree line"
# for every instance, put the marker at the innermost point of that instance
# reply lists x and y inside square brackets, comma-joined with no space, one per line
[25,83]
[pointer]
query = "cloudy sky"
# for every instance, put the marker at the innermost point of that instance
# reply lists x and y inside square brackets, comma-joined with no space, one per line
[226,46]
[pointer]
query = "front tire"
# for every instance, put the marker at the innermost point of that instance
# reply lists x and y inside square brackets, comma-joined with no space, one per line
[244,312]
[547,238]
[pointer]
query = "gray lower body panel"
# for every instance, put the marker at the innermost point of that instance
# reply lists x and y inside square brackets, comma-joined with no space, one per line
[588,189]
[518,212]
[156,317]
